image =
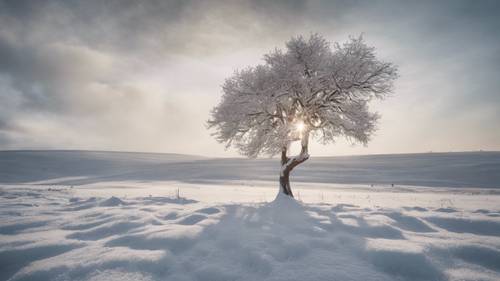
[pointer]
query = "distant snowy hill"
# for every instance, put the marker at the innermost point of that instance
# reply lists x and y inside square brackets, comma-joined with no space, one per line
[465,169]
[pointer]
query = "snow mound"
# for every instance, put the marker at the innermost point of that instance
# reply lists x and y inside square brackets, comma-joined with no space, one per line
[112,202]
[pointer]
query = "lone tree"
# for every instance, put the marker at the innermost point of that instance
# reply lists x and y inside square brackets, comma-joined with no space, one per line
[310,89]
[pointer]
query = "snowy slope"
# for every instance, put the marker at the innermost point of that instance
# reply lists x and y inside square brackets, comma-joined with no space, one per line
[467,169]
[126,220]
[28,166]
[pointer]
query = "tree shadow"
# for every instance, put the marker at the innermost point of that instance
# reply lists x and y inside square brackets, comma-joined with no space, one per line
[281,240]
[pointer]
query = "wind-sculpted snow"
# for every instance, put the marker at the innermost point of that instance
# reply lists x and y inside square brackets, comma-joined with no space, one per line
[69,215]
[65,234]
[471,169]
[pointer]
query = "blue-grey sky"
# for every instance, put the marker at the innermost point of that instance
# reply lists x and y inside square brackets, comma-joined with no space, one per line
[143,75]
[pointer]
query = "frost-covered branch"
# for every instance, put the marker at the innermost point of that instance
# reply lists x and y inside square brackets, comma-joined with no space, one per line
[310,82]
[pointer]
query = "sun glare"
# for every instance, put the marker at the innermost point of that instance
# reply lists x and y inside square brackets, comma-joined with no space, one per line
[300,126]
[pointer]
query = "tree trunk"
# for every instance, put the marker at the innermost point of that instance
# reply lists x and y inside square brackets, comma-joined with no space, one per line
[285,183]
[287,165]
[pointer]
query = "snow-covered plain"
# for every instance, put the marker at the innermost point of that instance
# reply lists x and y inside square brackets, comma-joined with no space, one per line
[69,215]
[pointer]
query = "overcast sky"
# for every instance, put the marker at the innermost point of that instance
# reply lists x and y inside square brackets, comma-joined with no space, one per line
[143,75]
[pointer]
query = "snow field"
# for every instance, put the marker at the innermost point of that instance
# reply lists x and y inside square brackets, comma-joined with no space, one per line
[114,231]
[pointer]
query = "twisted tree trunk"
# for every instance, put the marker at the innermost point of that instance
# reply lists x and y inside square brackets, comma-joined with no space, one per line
[287,164]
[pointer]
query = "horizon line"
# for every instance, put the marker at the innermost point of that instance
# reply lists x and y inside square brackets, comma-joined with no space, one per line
[243,157]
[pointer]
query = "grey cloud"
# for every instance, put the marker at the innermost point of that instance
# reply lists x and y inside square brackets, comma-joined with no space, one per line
[150,26]
[81,69]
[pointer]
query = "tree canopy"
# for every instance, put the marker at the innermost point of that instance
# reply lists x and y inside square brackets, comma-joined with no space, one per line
[311,88]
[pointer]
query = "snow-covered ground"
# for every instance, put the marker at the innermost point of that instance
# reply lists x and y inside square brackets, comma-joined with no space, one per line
[126,216]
